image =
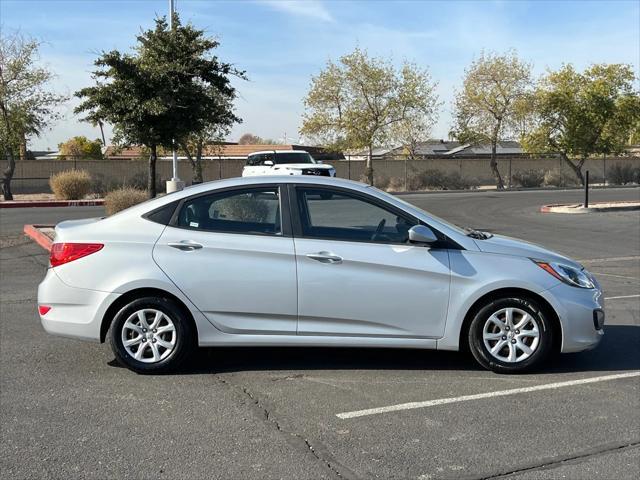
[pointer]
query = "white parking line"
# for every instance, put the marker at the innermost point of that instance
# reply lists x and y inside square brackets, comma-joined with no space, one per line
[612,275]
[621,296]
[609,259]
[480,396]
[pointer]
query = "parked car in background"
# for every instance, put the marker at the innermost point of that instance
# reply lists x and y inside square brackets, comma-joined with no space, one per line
[310,261]
[285,162]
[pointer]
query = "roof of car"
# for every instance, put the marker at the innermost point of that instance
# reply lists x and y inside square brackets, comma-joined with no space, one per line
[278,152]
[258,179]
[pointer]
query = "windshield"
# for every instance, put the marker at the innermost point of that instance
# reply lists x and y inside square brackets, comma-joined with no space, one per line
[279,158]
[297,157]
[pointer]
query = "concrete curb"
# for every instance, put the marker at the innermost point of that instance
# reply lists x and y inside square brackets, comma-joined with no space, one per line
[512,189]
[34,233]
[51,203]
[574,208]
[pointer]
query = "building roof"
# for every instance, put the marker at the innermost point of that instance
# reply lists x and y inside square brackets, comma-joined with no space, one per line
[213,150]
[448,148]
[502,148]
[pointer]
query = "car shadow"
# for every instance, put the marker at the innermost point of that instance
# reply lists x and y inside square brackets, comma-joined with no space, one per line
[618,351]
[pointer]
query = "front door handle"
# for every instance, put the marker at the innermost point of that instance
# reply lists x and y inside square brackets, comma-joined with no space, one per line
[185,245]
[325,257]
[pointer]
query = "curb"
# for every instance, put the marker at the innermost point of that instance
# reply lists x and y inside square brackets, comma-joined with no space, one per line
[512,189]
[51,203]
[559,208]
[33,232]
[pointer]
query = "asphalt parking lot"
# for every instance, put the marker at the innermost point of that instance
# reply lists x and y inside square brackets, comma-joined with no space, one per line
[67,410]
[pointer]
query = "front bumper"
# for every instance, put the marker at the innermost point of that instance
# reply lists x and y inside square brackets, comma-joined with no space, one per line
[75,312]
[581,313]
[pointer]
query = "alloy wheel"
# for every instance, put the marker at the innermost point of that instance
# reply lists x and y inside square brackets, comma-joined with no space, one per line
[149,335]
[511,335]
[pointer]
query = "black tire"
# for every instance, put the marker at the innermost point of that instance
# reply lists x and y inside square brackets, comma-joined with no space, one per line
[184,336]
[489,361]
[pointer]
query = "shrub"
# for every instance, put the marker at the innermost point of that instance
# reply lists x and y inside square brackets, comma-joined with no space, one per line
[621,174]
[528,178]
[70,184]
[381,181]
[457,181]
[437,180]
[123,198]
[244,208]
[139,181]
[396,184]
[553,178]
[101,185]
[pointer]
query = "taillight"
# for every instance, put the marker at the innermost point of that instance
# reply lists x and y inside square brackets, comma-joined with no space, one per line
[62,253]
[43,309]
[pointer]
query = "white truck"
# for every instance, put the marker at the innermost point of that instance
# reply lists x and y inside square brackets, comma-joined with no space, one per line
[285,162]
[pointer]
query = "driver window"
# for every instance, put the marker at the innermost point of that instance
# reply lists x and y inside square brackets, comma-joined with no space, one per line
[340,216]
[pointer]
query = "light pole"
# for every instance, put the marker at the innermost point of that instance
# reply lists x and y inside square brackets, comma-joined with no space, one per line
[175,183]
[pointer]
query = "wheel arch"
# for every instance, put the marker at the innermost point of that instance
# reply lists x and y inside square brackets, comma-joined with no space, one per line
[131,295]
[511,292]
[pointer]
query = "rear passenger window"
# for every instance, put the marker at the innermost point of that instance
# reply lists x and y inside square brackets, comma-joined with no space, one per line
[249,211]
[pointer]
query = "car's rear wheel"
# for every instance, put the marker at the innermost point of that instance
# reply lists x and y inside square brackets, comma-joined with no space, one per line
[151,335]
[510,335]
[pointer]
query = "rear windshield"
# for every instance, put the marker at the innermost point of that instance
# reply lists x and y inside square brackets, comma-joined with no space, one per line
[280,158]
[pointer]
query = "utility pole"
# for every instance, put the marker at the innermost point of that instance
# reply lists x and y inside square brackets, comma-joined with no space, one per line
[175,183]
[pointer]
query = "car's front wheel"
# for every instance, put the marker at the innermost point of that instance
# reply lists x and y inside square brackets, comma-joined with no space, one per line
[510,335]
[151,335]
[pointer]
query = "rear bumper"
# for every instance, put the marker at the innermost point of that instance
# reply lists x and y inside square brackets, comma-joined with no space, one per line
[75,312]
[576,308]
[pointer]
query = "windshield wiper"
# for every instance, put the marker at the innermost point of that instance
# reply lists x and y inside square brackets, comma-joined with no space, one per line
[477,234]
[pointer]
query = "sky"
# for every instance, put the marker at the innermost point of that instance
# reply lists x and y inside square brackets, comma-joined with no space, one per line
[282,44]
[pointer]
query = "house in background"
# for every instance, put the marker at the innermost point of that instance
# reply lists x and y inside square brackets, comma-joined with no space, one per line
[225,151]
[443,148]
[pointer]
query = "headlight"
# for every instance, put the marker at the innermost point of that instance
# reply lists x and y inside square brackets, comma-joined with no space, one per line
[569,275]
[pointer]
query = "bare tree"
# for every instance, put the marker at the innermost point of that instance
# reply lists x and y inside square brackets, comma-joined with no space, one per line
[27,106]
[358,102]
[487,109]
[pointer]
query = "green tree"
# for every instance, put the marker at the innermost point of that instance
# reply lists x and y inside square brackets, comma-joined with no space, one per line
[166,91]
[583,114]
[488,109]
[211,135]
[251,139]
[81,147]
[27,105]
[357,103]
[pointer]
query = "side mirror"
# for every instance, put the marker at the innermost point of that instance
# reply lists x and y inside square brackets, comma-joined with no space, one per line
[422,234]
[320,162]
[268,163]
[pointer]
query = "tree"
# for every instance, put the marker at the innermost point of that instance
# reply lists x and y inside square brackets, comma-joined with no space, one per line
[169,89]
[413,131]
[356,103]
[583,114]
[80,147]
[251,139]
[212,135]
[27,106]
[488,108]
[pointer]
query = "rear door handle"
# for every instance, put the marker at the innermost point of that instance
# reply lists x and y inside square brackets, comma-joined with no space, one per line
[185,245]
[325,257]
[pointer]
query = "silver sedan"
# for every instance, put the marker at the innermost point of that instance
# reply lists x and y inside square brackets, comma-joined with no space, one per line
[310,261]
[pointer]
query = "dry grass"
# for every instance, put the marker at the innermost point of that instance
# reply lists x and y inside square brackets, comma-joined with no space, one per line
[70,184]
[123,198]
